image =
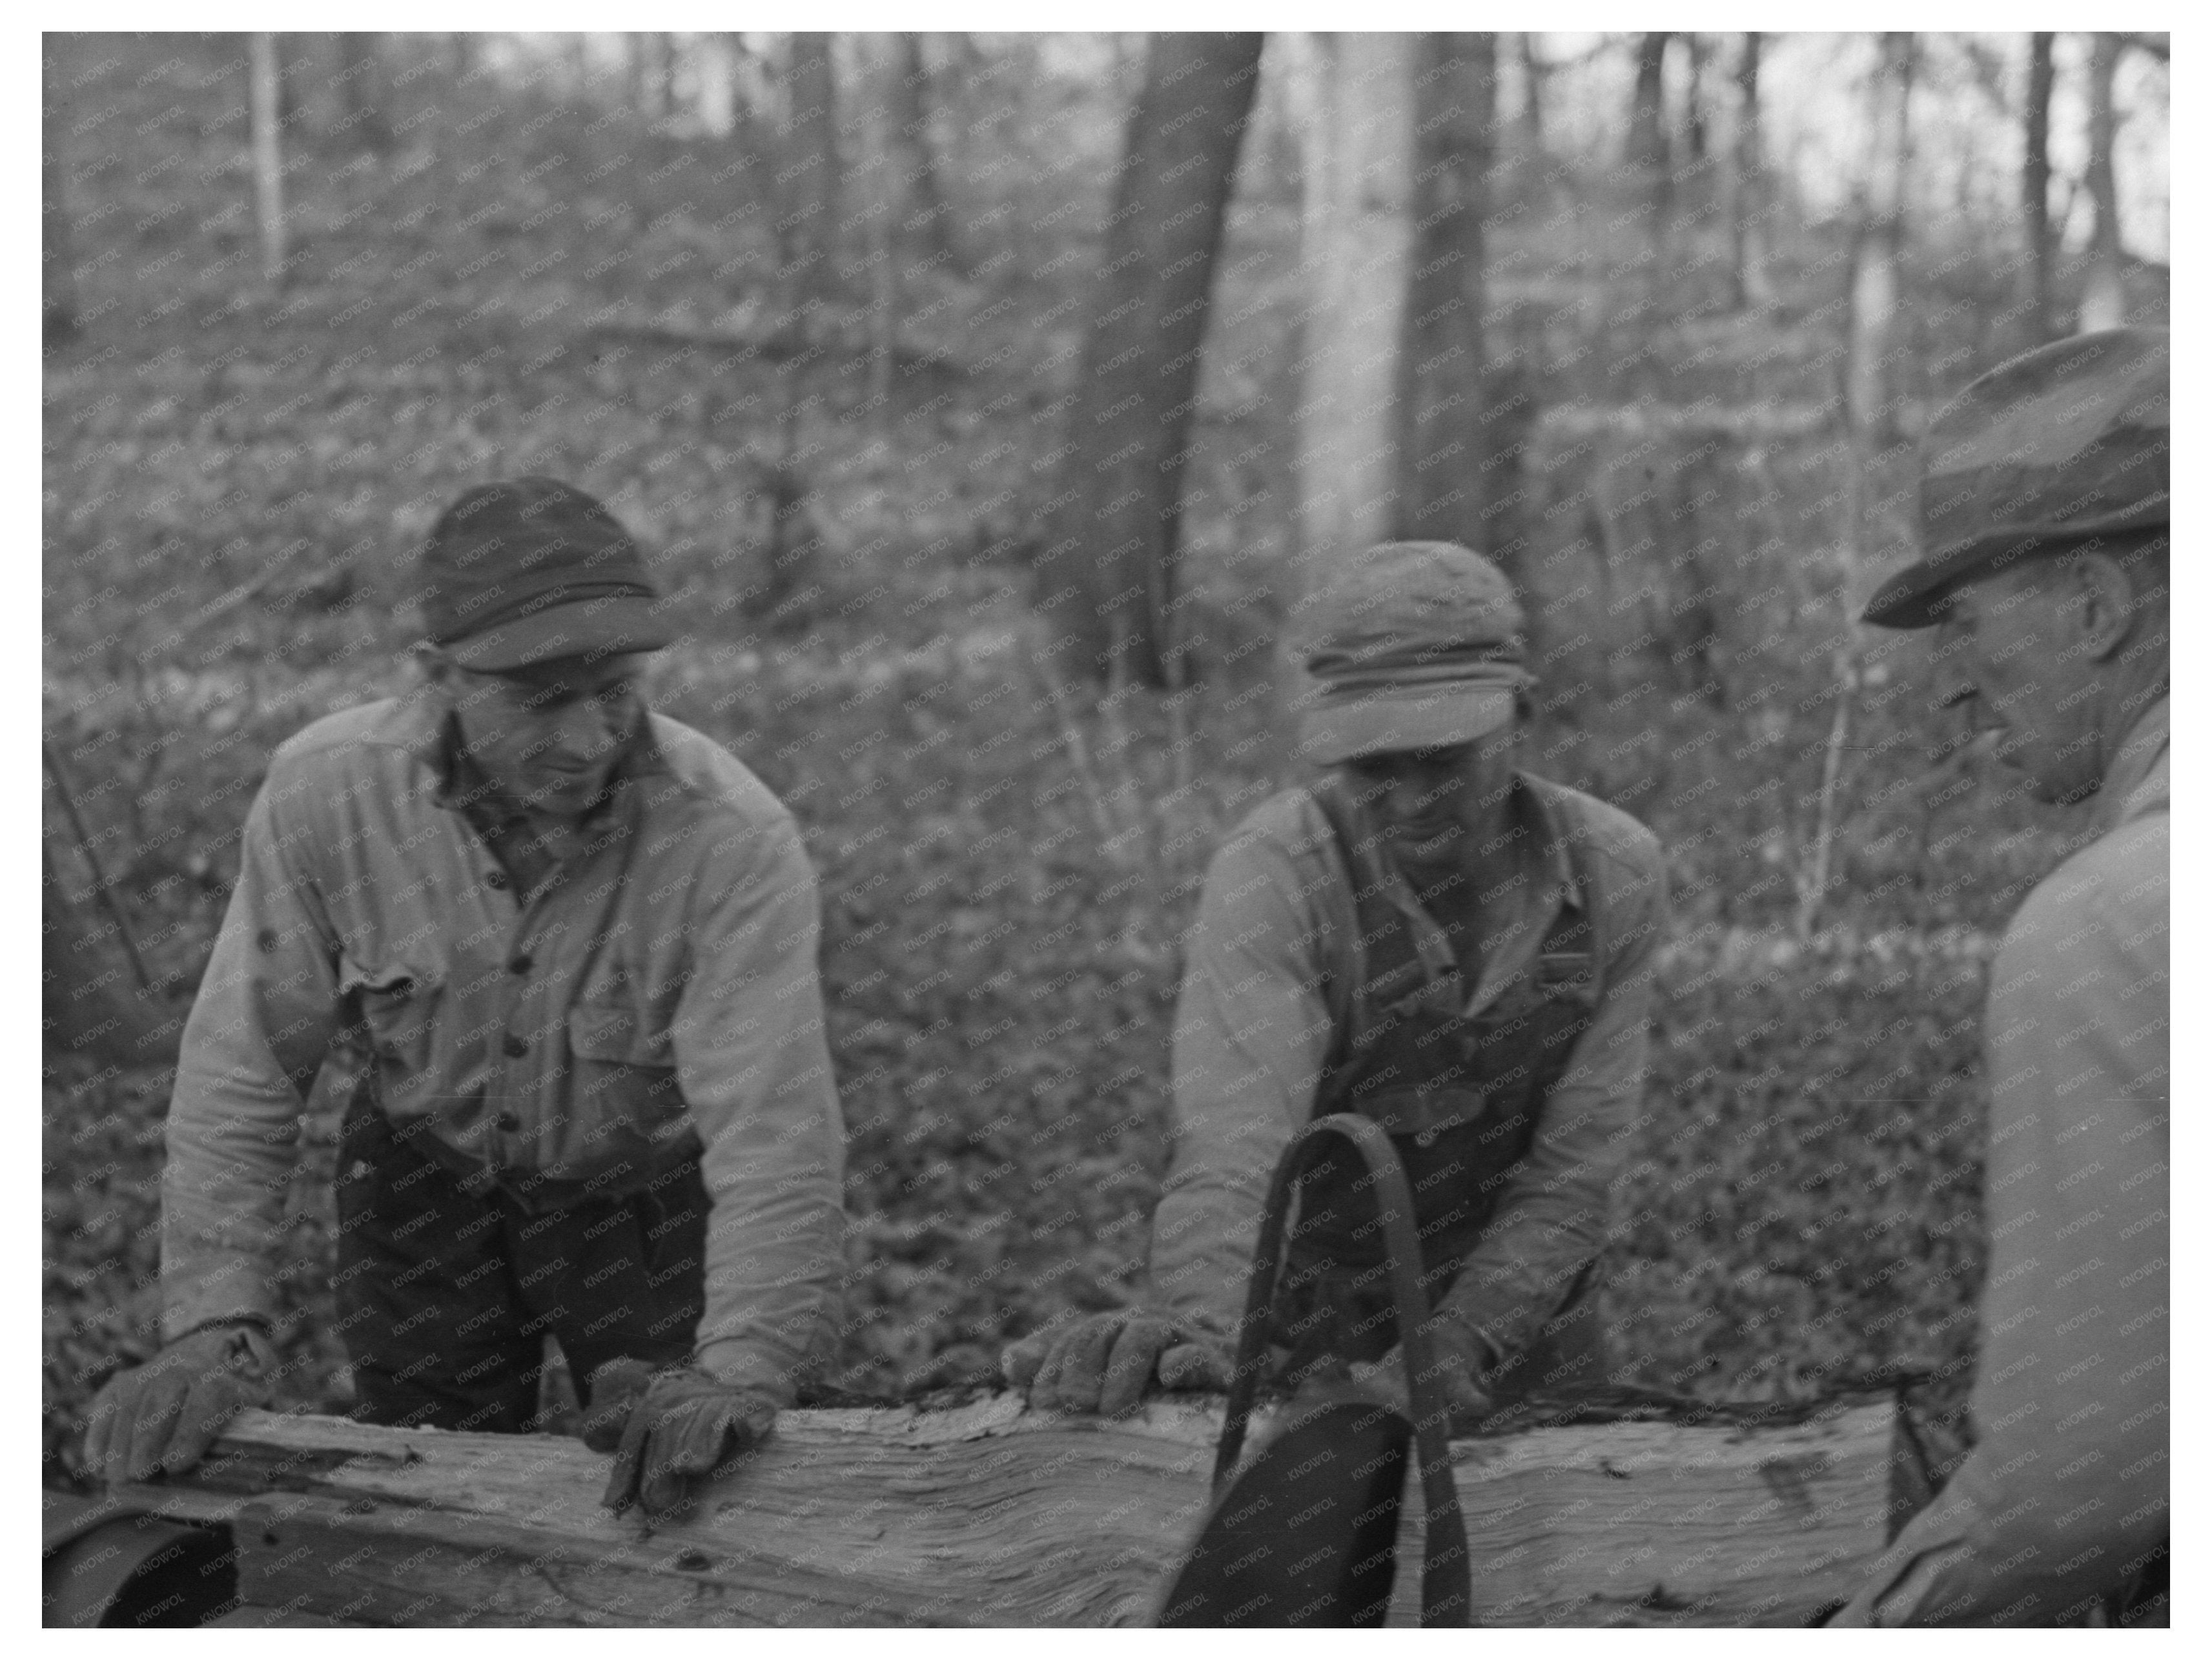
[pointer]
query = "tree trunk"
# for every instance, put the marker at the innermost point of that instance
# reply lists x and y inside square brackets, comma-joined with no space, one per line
[2035,186]
[1532,72]
[1357,255]
[1448,474]
[714,75]
[1693,108]
[268,154]
[909,118]
[653,63]
[809,198]
[991,1515]
[1647,109]
[362,72]
[1748,179]
[56,261]
[1106,580]
[2104,296]
[1870,392]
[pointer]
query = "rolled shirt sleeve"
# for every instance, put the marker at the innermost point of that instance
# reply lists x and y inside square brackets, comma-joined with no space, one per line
[1252,1031]
[753,1063]
[259,1028]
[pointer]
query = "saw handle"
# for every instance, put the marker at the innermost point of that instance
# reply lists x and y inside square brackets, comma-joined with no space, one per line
[1445,1585]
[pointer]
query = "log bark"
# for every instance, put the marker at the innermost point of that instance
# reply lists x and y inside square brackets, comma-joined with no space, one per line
[991,1515]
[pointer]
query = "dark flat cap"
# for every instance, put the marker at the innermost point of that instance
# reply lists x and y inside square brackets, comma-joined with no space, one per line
[2061,443]
[528,570]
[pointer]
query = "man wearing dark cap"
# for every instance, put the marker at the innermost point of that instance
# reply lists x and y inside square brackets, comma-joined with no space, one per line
[1430,937]
[2043,518]
[569,948]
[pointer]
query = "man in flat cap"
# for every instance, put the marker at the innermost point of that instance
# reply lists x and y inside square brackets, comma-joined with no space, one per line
[2043,518]
[570,946]
[1432,938]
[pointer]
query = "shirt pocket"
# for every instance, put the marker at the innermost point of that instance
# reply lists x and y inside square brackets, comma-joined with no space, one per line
[625,1065]
[397,1006]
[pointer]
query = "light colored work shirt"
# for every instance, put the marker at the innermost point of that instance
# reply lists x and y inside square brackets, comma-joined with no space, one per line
[655,997]
[2064,1493]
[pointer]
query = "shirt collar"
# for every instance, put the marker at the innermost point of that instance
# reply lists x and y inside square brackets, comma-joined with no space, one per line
[1531,814]
[424,727]
[2136,782]
[1533,809]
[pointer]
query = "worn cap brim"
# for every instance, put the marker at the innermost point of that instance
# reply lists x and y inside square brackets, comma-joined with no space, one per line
[1334,726]
[1914,597]
[1919,596]
[598,628]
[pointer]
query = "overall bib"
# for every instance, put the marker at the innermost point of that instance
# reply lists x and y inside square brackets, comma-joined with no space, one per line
[1458,1095]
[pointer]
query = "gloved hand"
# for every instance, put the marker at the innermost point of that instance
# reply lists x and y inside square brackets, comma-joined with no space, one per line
[162,1417]
[672,1431]
[1459,1354]
[1103,1362]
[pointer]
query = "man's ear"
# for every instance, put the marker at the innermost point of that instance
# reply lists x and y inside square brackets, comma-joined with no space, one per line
[2106,601]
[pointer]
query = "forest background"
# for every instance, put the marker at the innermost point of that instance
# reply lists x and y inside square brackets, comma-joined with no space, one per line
[990,399]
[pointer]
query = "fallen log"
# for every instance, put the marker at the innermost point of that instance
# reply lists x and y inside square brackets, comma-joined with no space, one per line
[991,1515]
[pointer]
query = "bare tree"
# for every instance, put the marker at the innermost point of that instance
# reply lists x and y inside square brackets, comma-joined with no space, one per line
[714,83]
[810,170]
[266,119]
[1357,246]
[909,122]
[1449,471]
[2104,296]
[1106,577]
[1647,106]
[1533,71]
[57,266]
[2035,185]
[1747,180]
[650,60]
[361,91]
[1879,238]
[1694,137]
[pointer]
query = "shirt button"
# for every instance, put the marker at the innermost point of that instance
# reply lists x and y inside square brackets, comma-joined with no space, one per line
[496,878]
[520,964]
[509,1119]
[515,1047]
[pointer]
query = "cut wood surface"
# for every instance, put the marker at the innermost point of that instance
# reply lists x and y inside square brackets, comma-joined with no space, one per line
[990,1514]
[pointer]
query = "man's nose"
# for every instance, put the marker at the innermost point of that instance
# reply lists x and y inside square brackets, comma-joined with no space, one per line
[1410,795]
[589,728]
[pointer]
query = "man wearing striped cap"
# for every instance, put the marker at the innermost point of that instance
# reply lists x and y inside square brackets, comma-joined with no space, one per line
[1431,937]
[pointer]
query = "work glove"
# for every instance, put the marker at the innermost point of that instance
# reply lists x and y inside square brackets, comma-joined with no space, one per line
[1458,1353]
[161,1417]
[1103,1363]
[672,1431]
